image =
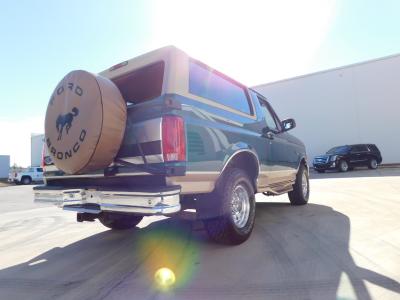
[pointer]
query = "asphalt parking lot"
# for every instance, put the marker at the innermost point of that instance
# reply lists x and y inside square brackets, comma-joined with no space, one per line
[345,244]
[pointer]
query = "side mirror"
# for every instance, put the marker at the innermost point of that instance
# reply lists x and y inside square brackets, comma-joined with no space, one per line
[288,124]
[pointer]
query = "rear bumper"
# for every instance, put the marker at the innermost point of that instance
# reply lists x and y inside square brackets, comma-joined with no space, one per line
[157,201]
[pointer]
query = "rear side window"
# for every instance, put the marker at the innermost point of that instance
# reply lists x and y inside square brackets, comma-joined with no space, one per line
[215,86]
[359,148]
[373,148]
[39,170]
[142,84]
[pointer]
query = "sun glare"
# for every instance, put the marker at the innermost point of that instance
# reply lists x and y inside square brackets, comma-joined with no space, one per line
[253,41]
[164,278]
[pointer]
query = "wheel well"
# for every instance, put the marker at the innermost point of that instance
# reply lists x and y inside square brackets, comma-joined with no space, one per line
[26,176]
[303,161]
[247,162]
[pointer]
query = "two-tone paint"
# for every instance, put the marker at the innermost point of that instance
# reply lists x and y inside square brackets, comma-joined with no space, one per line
[216,135]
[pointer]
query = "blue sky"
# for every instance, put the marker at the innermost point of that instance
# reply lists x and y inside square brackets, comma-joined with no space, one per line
[253,41]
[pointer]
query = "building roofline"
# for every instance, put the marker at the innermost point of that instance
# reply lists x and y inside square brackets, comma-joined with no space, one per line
[330,70]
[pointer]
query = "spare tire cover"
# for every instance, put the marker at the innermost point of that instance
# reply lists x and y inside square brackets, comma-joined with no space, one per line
[85,122]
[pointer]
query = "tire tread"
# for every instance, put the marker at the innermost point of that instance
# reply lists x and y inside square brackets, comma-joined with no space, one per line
[221,229]
[296,195]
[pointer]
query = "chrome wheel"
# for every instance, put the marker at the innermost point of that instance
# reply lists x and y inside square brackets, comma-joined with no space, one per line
[344,166]
[240,206]
[373,164]
[304,184]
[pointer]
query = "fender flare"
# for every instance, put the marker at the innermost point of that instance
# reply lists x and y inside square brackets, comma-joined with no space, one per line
[303,158]
[237,152]
[210,207]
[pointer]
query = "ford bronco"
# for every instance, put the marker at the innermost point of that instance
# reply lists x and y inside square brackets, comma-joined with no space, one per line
[162,133]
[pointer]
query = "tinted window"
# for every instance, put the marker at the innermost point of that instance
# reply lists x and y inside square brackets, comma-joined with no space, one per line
[373,148]
[339,150]
[39,169]
[359,148]
[215,86]
[142,84]
[268,116]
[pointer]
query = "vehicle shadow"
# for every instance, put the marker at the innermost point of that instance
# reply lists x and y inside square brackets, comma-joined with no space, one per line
[357,172]
[294,252]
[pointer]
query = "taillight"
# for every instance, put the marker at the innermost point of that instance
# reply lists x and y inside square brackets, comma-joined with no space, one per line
[173,138]
[43,164]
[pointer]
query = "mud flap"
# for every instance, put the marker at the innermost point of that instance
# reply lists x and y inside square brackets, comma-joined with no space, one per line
[209,206]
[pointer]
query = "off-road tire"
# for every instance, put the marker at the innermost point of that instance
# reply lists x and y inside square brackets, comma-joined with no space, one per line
[118,221]
[372,164]
[296,196]
[223,228]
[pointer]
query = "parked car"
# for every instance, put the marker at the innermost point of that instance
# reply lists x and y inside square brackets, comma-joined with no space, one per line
[27,176]
[344,158]
[193,139]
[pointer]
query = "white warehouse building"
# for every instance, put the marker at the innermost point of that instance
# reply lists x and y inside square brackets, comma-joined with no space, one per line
[4,166]
[354,104]
[37,142]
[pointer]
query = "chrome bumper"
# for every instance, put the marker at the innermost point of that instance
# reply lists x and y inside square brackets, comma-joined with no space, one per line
[162,201]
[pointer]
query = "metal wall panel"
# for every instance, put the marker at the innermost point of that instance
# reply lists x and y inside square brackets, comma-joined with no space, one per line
[348,105]
[4,165]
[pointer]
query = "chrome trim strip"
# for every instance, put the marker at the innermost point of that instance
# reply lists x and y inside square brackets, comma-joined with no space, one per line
[140,194]
[157,158]
[240,151]
[156,210]
[97,175]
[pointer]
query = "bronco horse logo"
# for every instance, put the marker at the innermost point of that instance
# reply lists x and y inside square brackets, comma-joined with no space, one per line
[65,121]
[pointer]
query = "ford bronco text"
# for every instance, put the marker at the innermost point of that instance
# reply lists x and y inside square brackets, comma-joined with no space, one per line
[162,133]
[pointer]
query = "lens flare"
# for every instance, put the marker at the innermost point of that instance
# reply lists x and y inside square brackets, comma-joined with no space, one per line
[170,254]
[164,278]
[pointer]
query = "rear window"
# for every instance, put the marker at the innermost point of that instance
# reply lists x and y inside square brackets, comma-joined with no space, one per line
[215,86]
[142,84]
[373,148]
